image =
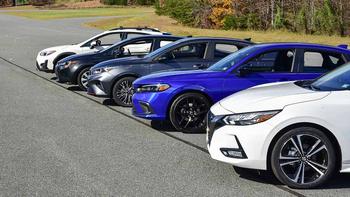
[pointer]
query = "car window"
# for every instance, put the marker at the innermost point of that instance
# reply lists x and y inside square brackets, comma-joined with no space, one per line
[321,61]
[134,35]
[273,61]
[110,39]
[141,47]
[190,51]
[222,50]
[165,42]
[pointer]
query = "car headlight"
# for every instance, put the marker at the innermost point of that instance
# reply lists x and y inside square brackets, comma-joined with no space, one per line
[67,64]
[101,70]
[249,118]
[46,53]
[153,88]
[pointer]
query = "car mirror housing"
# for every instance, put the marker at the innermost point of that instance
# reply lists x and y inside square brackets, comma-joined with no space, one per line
[243,71]
[93,44]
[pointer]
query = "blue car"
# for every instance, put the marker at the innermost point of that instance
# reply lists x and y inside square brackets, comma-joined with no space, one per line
[184,97]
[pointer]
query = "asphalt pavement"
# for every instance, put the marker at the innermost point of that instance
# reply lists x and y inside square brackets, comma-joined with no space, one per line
[58,141]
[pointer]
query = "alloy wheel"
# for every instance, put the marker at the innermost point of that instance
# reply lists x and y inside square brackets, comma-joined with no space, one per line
[124,92]
[304,159]
[84,79]
[190,113]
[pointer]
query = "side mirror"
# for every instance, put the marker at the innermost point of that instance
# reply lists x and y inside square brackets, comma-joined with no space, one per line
[243,71]
[162,58]
[117,52]
[95,43]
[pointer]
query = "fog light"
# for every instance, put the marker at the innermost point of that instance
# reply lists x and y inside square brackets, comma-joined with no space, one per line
[237,153]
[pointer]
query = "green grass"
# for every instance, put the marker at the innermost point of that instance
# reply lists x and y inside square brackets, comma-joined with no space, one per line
[88,12]
[167,24]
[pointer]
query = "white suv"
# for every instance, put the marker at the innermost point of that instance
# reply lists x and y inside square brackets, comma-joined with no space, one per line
[47,58]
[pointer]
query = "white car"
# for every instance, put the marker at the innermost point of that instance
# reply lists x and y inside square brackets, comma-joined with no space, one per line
[47,58]
[299,130]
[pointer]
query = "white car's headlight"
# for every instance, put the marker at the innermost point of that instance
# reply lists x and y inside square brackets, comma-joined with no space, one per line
[46,53]
[101,70]
[153,88]
[249,118]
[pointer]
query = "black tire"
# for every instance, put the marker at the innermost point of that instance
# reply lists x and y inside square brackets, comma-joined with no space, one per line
[122,91]
[82,78]
[188,111]
[297,170]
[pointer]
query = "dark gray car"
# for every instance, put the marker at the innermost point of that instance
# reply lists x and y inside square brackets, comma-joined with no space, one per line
[114,78]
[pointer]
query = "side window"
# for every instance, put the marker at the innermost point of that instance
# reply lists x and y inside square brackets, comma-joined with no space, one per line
[142,47]
[222,50]
[321,61]
[134,35]
[273,61]
[190,51]
[110,39]
[165,42]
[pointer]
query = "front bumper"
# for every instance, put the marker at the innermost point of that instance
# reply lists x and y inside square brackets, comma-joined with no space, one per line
[248,144]
[100,85]
[64,75]
[150,105]
[44,64]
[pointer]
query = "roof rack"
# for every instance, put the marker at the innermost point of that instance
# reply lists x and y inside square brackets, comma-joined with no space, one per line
[137,28]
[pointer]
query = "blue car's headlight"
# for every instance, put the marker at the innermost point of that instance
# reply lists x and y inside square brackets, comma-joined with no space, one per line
[153,88]
[67,64]
[249,118]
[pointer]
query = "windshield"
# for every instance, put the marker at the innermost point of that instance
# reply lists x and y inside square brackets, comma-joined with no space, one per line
[165,47]
[338,79]
[232,59]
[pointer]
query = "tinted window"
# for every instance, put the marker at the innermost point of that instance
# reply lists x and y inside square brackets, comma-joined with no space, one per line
[190,51]
[223,50]
[142,47]
[273,61]
[315,61]
[338,79]
[233,59]
[165,42]
[110,39]
[134,35]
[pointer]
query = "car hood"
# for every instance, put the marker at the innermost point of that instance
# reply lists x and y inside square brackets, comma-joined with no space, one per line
[57,48]
[77,57]
[119,62]
[273,96]
[187,75]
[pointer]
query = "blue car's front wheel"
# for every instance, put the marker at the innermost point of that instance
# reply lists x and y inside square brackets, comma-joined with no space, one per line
[188,111]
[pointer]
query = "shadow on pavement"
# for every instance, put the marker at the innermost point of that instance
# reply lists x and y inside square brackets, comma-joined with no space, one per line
[339,181]
[75,88]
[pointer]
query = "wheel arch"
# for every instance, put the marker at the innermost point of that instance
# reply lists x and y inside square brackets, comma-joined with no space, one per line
[77,71]
[184,92]
[61,56]
[116,79]
[326,131]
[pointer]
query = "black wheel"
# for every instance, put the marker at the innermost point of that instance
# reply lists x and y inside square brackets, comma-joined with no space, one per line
[303,158]
[123,91]
[83,78]
[188,111]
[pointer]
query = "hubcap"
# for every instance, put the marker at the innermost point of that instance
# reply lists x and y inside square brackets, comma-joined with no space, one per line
[124,92]
[304,159]
[190,113]
[84,79]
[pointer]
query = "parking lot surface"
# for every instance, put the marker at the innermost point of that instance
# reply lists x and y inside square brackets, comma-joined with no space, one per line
[57,141]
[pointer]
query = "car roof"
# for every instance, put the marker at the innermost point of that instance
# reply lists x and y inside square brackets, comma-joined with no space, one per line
[189,39]
[300,44]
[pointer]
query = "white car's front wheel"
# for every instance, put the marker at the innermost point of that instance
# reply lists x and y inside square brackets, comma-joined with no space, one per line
[303,158]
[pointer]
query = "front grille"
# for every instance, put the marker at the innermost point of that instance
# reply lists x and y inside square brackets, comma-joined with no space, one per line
[213,123]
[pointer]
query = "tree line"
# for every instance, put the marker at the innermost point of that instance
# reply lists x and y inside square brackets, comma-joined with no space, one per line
[309,16]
